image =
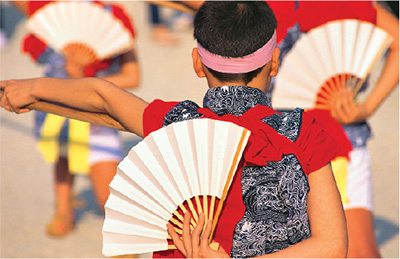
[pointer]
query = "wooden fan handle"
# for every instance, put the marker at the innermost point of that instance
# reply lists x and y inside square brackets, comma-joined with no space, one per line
[214,246]
[22,6]
[100,119]
[229,179]
[175,5]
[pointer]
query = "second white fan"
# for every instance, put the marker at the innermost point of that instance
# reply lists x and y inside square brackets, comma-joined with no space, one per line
[334,55]
[63,23]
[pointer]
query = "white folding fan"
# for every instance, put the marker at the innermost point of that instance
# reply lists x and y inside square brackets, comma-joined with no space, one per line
[186,166]
[80,24]
[334,55]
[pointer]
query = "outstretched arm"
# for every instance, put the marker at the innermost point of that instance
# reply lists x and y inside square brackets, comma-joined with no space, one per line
[88,94]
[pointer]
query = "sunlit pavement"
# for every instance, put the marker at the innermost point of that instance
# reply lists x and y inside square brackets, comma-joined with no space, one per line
[26,180]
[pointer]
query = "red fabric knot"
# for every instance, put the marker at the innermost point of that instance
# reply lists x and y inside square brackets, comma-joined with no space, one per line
[264,144]
[333,128]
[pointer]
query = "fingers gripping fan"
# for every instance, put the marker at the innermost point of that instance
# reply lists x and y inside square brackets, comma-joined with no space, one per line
[80,24]
[186,166]
[332,56]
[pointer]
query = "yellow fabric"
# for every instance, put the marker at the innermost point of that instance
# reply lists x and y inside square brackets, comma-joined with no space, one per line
[78,146]
[49,134]
[78,142]
[339,168]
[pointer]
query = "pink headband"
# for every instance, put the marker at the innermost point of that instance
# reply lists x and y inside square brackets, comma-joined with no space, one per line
[238,65]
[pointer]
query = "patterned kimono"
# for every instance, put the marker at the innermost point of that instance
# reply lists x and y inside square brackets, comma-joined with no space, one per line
[266,207]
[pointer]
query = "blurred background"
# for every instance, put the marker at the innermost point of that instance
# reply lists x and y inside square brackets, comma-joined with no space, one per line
[166,68]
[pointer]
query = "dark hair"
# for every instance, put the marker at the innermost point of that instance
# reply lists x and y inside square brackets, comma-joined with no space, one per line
[234,29]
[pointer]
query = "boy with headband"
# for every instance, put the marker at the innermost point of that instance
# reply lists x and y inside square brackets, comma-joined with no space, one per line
[283,200]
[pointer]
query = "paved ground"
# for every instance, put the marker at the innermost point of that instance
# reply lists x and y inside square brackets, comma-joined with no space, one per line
[26,181]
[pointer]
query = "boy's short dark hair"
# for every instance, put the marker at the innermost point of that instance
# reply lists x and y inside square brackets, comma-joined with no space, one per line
[234,29]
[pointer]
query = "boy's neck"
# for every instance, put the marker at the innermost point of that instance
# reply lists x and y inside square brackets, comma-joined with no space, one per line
[219,84]
[261,81]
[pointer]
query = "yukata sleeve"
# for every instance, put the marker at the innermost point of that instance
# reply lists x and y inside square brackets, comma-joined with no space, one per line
[317,147]
[36,49]
[154,115]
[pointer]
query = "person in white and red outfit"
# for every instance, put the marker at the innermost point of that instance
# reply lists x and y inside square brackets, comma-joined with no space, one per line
[103,144]
[299,17]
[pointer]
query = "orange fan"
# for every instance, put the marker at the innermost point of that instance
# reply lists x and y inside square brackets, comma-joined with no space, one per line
[84,28]
[332,56]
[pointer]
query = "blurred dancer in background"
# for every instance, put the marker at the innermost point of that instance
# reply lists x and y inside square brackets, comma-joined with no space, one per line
[298,17]
[81,147]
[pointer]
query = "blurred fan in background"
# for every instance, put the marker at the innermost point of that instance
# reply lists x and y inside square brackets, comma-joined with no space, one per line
[73,40]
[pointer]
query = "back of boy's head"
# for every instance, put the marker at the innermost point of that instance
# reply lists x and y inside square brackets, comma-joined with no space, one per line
[234,29]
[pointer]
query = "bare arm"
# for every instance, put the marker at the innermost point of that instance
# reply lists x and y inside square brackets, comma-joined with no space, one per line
[88,94]
[390,74]
[343,108]
[129,74]
[327,223]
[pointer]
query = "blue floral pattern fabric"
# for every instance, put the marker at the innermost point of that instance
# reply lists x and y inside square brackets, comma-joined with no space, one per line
[358,133]
[186,110]
[275,195]
[286,124]
[234,100]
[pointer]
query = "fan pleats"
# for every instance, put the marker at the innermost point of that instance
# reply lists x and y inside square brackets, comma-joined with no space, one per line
[62,23]
[185,167]
[335,55]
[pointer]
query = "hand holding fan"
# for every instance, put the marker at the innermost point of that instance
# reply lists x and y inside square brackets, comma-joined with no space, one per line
[186,166]
[85,29]
[332,56]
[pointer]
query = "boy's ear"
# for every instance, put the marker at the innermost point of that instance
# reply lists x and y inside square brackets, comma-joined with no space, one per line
[275,62]
[197,65]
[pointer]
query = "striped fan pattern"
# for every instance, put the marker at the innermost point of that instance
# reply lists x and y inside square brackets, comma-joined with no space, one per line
[186,166]
[337,54]
[74,25]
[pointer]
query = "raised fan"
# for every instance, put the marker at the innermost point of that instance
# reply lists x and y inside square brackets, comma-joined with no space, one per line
[186,166]
[332,56]
[80,24]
